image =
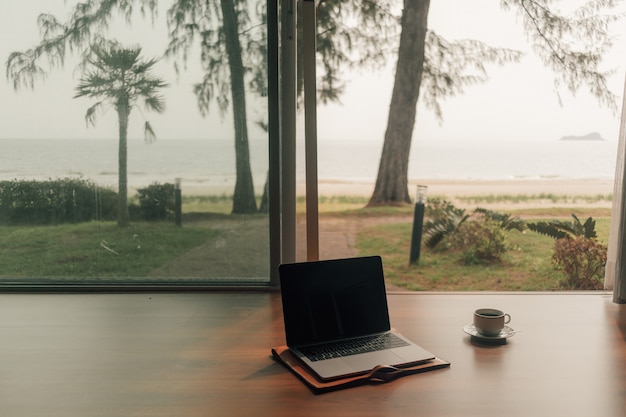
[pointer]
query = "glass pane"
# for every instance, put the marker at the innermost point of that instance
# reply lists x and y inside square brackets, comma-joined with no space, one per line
[61,172]
[511,145]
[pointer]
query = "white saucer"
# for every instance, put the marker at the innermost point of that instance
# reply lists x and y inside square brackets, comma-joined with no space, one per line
[505,333]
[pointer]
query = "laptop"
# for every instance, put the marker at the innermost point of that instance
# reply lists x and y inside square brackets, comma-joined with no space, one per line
[337,319]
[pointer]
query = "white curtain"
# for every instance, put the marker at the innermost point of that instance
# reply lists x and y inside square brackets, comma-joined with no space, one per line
[615,275]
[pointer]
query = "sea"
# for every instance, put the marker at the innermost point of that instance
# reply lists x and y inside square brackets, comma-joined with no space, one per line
[210,164]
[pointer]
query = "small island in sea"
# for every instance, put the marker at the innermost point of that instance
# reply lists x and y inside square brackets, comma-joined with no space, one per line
[589,136]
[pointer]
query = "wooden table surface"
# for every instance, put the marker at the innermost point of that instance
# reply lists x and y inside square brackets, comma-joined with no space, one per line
[208,354]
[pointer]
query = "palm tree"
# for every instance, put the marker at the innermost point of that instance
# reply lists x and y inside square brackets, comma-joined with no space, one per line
[117,76]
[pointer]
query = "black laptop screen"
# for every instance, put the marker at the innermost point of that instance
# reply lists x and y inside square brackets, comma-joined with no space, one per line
[335,299]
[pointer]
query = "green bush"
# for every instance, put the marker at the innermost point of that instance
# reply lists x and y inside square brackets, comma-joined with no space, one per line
[479,237]
[479,241]
[582,259]
[157,201]
[577,252]
[54,202]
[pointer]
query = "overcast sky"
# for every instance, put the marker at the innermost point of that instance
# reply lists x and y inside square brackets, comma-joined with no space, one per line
[517,103]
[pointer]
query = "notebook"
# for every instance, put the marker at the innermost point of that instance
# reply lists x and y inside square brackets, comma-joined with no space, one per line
[332,307]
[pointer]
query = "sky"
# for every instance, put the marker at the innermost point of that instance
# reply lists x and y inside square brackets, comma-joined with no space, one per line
[517,103]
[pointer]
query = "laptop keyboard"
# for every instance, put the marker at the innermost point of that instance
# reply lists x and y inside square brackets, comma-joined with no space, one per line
[353,347]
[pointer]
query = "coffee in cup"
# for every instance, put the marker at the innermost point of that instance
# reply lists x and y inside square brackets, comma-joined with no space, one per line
[489,321]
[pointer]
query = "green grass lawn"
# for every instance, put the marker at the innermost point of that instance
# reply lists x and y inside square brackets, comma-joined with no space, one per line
[95,249]
[212,237]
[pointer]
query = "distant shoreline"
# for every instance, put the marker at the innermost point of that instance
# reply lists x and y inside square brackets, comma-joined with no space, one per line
[593,136]
[449,187]
[443,187]
[456,190]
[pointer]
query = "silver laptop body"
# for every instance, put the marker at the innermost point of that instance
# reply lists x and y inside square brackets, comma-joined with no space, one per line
[334,304]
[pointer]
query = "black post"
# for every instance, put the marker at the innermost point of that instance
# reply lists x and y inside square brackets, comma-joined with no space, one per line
[178,204]
[418,224]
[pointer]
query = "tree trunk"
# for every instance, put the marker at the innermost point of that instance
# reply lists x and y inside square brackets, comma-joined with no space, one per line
[122,187]
[392,181]
[244,201]
[264,206]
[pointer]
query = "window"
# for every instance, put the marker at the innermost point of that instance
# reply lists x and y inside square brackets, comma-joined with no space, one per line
[217,141]
[60,169]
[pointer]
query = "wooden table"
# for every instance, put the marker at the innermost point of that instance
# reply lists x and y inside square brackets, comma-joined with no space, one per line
[208,354]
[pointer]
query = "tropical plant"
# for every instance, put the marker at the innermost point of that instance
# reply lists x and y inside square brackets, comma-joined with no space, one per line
[577,251]
[443,219]
[478,237]
[559,229]
[504,220]
[117,76]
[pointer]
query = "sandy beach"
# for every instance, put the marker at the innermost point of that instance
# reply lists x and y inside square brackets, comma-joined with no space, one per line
[454,188]
[448,188]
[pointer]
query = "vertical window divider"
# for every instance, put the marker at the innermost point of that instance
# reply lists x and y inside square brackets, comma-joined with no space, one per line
[310,127]
[287,139]
[273,124]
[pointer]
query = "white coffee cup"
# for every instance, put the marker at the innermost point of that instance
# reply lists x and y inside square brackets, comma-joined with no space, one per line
[489,321]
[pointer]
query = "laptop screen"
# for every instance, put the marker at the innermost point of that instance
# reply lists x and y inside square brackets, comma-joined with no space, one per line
[335,299]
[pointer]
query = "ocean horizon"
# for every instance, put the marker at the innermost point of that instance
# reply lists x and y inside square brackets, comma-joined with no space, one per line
[210,164]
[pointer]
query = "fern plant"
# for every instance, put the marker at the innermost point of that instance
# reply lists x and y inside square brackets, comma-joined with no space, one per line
[558,229]
[445,218]
[504,220]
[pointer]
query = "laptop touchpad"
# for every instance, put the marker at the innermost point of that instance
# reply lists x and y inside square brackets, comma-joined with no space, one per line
[371,360]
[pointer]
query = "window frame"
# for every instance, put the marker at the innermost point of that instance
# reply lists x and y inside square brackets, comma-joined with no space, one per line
[282,183]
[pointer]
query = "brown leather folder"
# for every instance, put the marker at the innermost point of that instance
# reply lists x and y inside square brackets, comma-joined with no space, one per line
[379,375]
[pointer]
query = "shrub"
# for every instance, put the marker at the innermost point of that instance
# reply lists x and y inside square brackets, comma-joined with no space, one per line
[576,252]
[582,260]
[157,201]
[480,237]
[479,241]
[55,201]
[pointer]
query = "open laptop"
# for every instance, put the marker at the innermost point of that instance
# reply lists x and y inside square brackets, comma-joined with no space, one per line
[331,307]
